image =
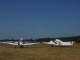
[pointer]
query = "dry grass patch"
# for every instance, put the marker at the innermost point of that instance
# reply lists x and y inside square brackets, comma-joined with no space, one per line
[40,53]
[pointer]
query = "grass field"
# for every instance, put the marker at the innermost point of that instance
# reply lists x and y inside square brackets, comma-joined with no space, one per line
[40,53]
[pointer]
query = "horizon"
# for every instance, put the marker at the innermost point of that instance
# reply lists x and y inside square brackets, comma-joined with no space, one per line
[39,19]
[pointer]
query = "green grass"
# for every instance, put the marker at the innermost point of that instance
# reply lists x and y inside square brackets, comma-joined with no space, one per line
[40,53]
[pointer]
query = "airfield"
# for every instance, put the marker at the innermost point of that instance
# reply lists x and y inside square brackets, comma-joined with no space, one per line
[40,52]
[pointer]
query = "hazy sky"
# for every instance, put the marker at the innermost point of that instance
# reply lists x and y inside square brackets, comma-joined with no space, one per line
[39,18]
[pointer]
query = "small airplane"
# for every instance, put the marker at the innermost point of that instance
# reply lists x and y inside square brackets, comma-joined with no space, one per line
[61,43]
[19,43]
[58,42]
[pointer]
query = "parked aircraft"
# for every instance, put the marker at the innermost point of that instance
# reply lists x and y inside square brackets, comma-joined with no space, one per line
[61,43]
[19,43]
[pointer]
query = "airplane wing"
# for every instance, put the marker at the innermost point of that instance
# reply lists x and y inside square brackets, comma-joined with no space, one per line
[46,43]
[10,43]
[29,43]
[51,43]
[66,44]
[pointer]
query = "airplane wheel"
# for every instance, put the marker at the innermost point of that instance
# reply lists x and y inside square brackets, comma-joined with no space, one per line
[21,46]
[52,46]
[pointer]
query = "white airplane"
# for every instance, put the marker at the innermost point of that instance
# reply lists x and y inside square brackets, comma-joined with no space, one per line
[19,43]
[61,43]
[58,42]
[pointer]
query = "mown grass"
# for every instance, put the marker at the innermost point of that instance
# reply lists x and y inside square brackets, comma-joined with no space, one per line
[40,53]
